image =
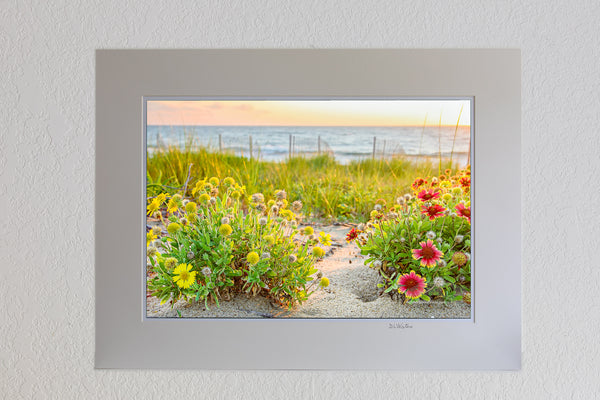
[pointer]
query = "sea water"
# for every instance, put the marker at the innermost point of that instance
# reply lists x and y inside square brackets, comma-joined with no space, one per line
[345,143]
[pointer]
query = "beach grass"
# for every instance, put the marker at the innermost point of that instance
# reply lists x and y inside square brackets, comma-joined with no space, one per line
[329,190]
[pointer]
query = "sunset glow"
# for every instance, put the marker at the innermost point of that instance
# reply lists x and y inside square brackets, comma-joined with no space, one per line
[310,112]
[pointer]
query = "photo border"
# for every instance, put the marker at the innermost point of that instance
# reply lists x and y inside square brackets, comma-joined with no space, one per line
[126,339]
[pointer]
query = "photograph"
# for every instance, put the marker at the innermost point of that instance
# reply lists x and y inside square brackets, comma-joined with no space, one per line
[308,208]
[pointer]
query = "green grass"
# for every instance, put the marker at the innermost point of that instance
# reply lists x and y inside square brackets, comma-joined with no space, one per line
[328,190]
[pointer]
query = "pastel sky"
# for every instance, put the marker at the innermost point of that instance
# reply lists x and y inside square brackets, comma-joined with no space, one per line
[310,112]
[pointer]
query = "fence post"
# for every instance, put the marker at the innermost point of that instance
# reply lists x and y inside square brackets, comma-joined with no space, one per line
[290,149]
[250,143]
[374,143]
[383,152]
[319,145]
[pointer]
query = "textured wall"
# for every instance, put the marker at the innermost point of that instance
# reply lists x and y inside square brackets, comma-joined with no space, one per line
[47,185]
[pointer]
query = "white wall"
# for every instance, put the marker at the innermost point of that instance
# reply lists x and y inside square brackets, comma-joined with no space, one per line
[47,185]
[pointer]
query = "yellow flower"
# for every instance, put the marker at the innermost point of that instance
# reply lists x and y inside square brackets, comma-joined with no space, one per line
[324,282]
[191,207]
[229,181]
[308,231]
[204,198]
[457,191]
[225,230]
[447,197]
[161,197]
[172,206]
[170,262]
[214,181]
[150,236]
[173,227]
[318,251]
[184,276]
[235,194]
[157,230]
[252,258]
[153,206]
[325,238]
[270,240]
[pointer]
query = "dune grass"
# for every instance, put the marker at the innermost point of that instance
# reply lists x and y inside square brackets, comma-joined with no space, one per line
[329,190]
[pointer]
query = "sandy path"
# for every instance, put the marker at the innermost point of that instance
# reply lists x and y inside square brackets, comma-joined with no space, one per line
[352,293]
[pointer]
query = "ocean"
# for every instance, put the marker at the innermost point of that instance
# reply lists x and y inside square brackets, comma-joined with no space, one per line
[345,143]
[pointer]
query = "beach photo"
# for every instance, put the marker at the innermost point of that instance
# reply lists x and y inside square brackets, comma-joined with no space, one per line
[308,208]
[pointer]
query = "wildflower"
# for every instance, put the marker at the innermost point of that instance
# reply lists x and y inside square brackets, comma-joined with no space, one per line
[361,227]
[184,276]
[353,234]
[442,263]
[225,220]
[308,230]
[319,274]
[282,203]
[281,195]
[191,207]
[407,197]
[173,227]
[265,256]
[377,264]
[214,192]
[468,256]
[170,262]
[190,255]
[157,215]
[377,207]
[177,197]
[432,211]
[294,224]
[275,210]
[400,201]
[213,200]
[318,251]
[270,240]
[252,258]
[150,237]
[287,214]
[153,206]
[312,236]
[412,285]
[172,206]
[225,230]
[324,282]
[297,206]
[325,238]
[459,258]
[161,197]
[292,258]
[430,235]
[262,221]
[157,230]
[434,181]
[151,251]
[204,198]
[428,254]
[206,271]
[458,238]
[428,194]
[260,207]
[258,198]
[183,221]
[236,194]
[392,215]
[463,211]
[214,181]
[447,197]
[229,181]
[438,281]
[465,181]
[418,183]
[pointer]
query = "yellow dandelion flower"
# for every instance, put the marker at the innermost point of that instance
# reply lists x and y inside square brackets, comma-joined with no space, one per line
[172,206]
[308,231]
[325,238]
[191,207]
[173,227]
[324,282]
[318,251]
[153,206]
[225,230]
[252,258]
[161,197]
[184,276]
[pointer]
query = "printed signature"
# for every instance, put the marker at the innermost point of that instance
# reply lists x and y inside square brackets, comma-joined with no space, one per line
[399,325]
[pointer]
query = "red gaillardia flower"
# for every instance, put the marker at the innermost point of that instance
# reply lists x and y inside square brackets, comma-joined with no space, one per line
[463,211]
[465,181]
[428,254]
[412,285]
[353,234]
[429,194]
[433,211]
[418,183]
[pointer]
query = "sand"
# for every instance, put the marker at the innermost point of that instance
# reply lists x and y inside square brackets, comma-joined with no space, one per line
[352,293]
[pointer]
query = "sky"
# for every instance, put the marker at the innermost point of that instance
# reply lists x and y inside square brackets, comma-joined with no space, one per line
[309,112]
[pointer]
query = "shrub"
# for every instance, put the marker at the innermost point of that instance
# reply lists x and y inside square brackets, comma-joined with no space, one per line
[421,245]
[221,243]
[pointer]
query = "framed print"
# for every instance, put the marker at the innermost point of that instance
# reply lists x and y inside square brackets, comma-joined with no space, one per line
[291,194]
